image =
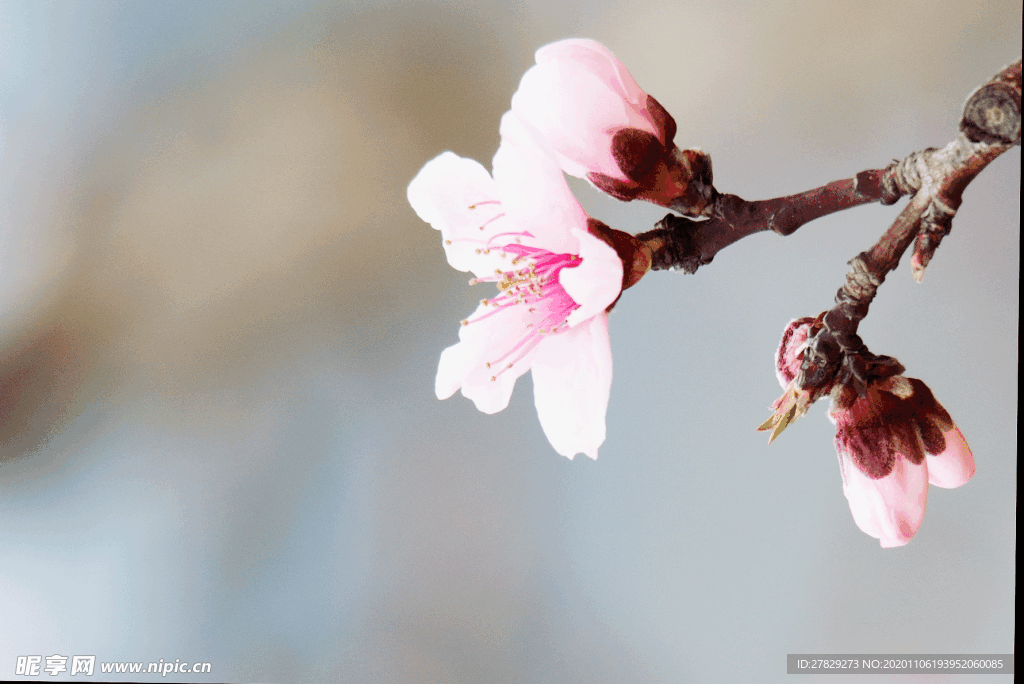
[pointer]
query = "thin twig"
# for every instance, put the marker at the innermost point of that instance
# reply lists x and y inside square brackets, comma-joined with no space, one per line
[683,243]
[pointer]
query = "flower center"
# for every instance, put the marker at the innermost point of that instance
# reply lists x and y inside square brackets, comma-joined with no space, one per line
[530,284]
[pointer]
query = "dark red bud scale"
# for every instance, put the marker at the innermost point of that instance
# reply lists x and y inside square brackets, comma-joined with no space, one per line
[634,253]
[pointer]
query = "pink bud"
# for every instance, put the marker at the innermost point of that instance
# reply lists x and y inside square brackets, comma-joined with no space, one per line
[892,442]
[790,355]
[603,127]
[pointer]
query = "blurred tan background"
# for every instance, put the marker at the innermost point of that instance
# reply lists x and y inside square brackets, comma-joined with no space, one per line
[220,320]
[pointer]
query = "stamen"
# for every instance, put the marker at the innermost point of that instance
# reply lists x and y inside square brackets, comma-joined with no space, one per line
[491,220]
[534,285]
[488,315]
[534,341]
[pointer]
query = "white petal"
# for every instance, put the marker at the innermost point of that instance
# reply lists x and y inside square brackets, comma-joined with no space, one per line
[891,508]
[459,198]
[533,190]
[572,378]
[454,365]
[487,341]
[596,282]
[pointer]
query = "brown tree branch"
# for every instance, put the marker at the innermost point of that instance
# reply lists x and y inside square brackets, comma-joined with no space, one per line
[990,125]
[678,242]
[937,177]
[834,355]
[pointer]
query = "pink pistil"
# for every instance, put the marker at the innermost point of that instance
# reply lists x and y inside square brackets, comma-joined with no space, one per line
[535,286]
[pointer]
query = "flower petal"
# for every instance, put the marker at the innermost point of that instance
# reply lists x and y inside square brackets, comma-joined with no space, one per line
[890,508]
[455,364]
[459,198]
[572,378]
[577,97]
[598,60]
[955,465]
[596,282]
[581,137]
[491,340]
[533,189]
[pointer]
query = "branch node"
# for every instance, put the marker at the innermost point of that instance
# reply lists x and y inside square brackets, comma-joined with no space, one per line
[992,111]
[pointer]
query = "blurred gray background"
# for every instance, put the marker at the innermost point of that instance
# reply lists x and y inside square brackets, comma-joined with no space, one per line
[220,323]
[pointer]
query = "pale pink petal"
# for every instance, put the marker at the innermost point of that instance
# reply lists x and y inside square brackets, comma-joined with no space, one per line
[459,198]
[891,508]
[486,341]
[577,97]
[572,378]
[577,113]
[596,282]
[533,190]
[955,465]
[492,396]
[455,364]
[597,59]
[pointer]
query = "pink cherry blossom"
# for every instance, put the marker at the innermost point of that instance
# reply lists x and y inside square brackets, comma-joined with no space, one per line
[603,127]
[893,441]
[524,231]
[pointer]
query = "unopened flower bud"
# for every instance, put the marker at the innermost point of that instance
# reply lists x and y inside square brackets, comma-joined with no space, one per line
[893,441]
[603,127]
